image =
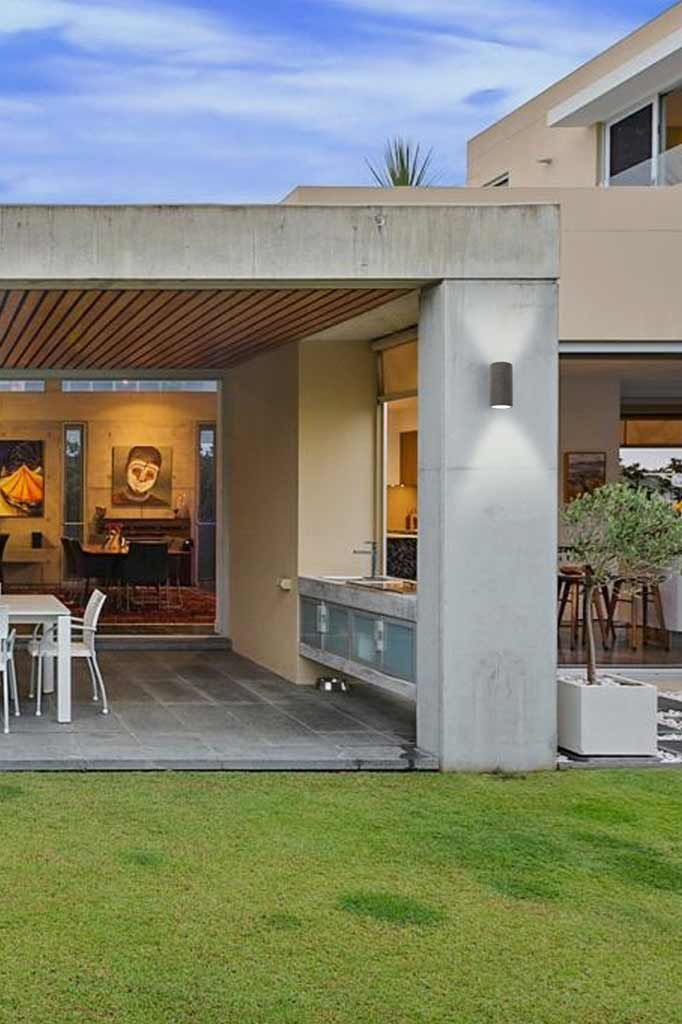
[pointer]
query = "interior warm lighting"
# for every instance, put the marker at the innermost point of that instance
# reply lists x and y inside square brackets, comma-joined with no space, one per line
[501,386]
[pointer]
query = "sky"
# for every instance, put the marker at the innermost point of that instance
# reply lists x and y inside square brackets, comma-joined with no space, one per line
[171,101]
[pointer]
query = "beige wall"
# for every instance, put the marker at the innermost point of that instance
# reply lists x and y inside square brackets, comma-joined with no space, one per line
[589,418]
[338,409]
[166,420]
[619,251]
[301,427]
[517,142]
[262,432]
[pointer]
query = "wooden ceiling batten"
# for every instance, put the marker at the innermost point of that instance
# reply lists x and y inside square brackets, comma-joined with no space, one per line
[167,328]
[254,312]
[320,318]
[178,307]
[233,305]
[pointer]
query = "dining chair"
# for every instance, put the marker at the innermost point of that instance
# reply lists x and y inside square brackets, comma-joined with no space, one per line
[146,565]
[7,669]
[43,644]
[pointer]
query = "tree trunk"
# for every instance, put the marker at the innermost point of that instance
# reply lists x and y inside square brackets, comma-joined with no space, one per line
[589,633]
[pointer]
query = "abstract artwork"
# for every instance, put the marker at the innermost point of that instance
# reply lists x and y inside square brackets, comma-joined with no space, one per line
[584,472]
[142,476]
[22,479]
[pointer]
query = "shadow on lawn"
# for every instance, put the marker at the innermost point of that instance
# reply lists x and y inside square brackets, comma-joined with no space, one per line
[523,862]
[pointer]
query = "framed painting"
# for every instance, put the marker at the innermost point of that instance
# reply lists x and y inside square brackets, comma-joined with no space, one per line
[22,479]
[584,472]
[142,477]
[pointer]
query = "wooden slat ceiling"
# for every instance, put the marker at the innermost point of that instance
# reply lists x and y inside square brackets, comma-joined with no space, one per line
[164,329]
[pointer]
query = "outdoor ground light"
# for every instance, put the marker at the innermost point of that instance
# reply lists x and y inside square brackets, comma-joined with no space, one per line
[501,385]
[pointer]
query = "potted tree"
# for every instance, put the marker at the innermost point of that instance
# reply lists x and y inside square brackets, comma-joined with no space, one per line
[617,532]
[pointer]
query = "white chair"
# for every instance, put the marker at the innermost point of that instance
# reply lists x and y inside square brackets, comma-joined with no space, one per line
[43,644]
[7,669]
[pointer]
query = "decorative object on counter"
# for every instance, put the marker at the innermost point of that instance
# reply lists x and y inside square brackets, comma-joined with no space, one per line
[333,684]
[584,472]
[411,521]
[22,479]
[632,539]
[36,539]
[501,386]
[182,509]
[142,476]
[115,541]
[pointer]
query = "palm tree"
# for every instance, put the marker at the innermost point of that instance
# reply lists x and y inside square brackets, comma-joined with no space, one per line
[403,165]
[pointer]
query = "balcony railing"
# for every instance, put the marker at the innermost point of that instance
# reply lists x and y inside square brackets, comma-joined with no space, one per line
[665,169]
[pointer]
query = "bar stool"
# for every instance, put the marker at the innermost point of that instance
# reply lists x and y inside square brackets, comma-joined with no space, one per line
[573,595]
[647,598]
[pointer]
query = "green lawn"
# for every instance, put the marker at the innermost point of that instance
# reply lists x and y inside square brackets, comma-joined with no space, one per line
[353,899]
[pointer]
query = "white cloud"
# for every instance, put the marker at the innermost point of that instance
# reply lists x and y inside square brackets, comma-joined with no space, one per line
[153,101]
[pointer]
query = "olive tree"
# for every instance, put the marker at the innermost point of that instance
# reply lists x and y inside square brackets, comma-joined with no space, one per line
[620,532]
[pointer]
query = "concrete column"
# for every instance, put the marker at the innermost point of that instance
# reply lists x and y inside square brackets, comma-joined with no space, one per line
[486,661]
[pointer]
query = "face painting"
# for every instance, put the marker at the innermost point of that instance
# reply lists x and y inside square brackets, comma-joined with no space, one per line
[141,476]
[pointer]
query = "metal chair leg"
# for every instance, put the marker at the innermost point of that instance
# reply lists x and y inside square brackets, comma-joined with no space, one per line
[100,680]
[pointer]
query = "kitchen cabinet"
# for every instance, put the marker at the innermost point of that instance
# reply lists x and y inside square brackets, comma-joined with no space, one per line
[381,643]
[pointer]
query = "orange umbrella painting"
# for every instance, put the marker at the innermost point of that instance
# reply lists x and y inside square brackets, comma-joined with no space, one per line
[22,480]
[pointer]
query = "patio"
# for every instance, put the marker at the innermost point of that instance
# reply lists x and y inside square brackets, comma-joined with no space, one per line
[190,710]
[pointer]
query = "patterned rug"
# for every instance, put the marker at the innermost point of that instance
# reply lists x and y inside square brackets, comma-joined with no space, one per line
[192,607]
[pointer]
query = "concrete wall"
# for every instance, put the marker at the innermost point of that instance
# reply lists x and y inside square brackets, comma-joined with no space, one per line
[167,420]
[518,141]
[619,252]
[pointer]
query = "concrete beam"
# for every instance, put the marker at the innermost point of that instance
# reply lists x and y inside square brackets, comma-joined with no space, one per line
[486,661]
[251,246]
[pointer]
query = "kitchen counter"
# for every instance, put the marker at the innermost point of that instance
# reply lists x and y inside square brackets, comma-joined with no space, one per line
[360,598]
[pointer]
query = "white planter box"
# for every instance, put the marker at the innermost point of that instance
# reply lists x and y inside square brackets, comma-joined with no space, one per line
[607,720]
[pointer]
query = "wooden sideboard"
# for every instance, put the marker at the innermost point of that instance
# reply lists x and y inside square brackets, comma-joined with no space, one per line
[160,528]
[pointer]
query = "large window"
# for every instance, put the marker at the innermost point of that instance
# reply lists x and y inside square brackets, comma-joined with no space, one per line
[644,147]
[74,480]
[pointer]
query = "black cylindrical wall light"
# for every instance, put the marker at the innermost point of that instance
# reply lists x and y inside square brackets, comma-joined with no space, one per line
[501,385]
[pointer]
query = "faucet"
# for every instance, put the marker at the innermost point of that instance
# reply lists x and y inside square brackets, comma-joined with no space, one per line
[372,550]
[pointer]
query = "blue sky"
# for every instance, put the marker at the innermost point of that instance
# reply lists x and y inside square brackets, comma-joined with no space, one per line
[241,100]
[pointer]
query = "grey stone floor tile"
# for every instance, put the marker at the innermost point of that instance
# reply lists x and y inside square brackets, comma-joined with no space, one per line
[271,724]
[225,691]
[142,719]
[175,691]
[320,718]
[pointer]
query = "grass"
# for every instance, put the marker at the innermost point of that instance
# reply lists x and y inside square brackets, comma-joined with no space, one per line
[357,899]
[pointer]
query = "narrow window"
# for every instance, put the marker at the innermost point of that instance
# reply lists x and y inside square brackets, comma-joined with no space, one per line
[670,162]
[206,505]
[74,479]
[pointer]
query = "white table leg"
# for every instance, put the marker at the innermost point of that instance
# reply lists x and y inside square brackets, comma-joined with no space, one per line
[64,668]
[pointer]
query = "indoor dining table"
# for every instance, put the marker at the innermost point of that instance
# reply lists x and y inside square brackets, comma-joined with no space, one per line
[48,611]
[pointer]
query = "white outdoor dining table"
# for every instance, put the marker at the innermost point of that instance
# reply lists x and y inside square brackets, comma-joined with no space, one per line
[44,609]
